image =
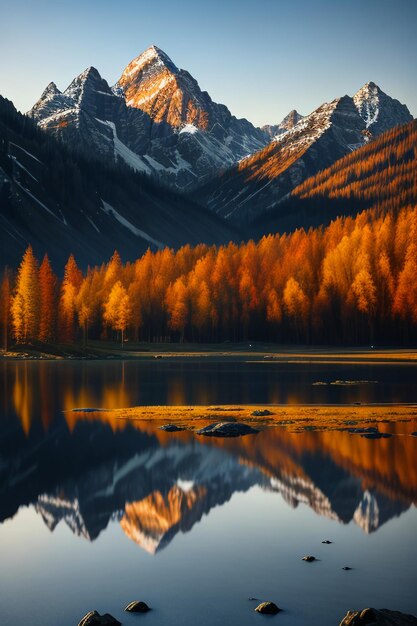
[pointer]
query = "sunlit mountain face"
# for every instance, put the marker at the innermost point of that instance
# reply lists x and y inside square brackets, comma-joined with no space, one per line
[89,470]
[155,118]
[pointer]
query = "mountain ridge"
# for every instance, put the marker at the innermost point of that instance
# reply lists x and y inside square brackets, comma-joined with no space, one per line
[260,182]
[158,112]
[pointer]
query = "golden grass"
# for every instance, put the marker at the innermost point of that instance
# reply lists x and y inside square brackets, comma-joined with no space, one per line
[294,418]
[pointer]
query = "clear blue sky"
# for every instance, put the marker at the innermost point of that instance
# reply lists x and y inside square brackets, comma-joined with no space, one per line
[261,58]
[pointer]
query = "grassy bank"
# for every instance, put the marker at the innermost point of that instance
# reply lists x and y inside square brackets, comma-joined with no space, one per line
[245,351]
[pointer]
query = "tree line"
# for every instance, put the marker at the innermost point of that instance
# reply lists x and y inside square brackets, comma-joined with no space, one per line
[351,282]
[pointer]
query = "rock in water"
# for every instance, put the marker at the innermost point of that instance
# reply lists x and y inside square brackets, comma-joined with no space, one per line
[377,435]
[95,619]
[227,429]
[378,617]
[309,558]
[327,542]
[263,413]
[137,606]
[171,428]
[268,608]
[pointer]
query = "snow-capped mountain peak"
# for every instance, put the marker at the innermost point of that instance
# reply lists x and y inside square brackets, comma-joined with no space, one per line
[89,79]
[51,90]
[379,111]
[150,63]
[289,121]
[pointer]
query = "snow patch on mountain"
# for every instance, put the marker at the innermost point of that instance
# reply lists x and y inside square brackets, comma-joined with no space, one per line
[107,208]
[121,150]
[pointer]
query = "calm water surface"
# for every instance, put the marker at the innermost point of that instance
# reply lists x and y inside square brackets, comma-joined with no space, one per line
[94,514]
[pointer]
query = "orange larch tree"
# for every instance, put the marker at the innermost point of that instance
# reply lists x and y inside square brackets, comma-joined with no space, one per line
[48,285]
[25,306]
[67,306]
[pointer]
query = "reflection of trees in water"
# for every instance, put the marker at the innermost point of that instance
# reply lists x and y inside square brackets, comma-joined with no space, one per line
[41,390]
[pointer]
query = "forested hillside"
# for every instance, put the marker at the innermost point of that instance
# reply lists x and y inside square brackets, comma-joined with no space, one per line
[380,175]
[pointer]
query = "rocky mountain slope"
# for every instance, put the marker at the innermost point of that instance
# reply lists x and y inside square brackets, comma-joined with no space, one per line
[60,201]
[262,181]
[156,118]
[380,175]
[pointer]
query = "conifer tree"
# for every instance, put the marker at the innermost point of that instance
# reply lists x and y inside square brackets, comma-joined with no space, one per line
[48,283]
[67,307]
[5,296]
[25,306]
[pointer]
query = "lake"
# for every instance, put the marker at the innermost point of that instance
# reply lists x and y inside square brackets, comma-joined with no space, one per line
[94,515]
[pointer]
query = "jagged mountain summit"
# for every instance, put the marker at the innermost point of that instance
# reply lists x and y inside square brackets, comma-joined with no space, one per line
[284,126]
[379,111]
[156,118]
[263,180]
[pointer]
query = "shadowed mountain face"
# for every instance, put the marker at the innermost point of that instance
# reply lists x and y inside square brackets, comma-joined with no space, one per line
[88,469]
[156,119]
[55,198]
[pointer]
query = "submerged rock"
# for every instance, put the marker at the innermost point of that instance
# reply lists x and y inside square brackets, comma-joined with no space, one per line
[263,413]
[326,541]
[414,434]
[378,617]
[95,619]
[346,568]
[171,428]
[268,608]
[137,606]
[363,431]
[377,435]
[309,558]
[227,429]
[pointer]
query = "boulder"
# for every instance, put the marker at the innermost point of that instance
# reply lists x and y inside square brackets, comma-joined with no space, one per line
[95,619]
[263,413]
[268,608]
[378,617]
[377,435]
[227,429]
[137,606]
[171,428]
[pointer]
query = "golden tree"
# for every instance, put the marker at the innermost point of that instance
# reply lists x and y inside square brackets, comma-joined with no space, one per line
[67,306]
[25,306]
[117,310]
[48,284]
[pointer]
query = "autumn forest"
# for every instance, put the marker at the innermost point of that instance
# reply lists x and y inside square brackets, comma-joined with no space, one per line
[351,282]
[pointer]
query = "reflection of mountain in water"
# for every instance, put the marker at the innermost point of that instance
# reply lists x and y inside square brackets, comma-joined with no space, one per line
[154,493]
[157,485]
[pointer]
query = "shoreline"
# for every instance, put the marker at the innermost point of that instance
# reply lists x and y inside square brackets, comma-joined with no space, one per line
[266,353]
